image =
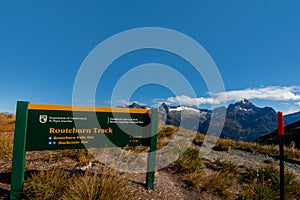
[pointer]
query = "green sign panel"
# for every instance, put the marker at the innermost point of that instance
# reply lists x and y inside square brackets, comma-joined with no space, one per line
[64,129]
[53,127]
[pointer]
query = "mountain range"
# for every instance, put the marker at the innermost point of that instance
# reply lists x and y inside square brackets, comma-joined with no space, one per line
[291,118]
[291,134]
[244,121]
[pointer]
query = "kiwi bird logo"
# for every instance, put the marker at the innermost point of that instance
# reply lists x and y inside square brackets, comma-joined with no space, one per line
[43,119]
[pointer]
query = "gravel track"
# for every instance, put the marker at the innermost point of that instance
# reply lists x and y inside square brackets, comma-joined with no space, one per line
[247,159]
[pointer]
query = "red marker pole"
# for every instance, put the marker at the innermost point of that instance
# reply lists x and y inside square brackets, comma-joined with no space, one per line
[281,150]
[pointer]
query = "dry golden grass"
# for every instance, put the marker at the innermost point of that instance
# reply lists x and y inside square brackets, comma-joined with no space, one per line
[290,153]
[219,183]
[62,184]
[7,127]
[79,155]
[50,184]
[7,122]
[263,183]
[6,145]
[103,186]
[167,131]
[223,145]
[189,161]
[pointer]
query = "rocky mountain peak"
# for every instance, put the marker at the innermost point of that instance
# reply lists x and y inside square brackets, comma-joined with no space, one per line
[245,101]
[136,105]
[241,106]
[165,107]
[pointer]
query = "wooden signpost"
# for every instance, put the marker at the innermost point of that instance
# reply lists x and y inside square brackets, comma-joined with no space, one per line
[54,127]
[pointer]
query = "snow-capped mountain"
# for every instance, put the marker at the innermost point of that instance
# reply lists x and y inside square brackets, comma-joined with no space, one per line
[187,108]
[185,116]
[244,121]
[136,105]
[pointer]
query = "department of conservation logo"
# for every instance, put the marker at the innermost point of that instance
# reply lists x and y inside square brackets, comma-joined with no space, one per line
[43,119]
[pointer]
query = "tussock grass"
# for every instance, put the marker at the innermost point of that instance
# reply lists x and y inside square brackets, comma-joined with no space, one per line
[60,184]
[219,183]
[95,186]
[226,166]
[290,153]
[7,123]
[189,161]
[260,183]
[195,179]
[199,138]
[264,183]
[78,155]
[50,184]
[222,181]
[167,131]
[6,145]
[170,134]
[223,145]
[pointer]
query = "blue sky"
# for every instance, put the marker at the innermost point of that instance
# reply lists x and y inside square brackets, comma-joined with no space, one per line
[255,45]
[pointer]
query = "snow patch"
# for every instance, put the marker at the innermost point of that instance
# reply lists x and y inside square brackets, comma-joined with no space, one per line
[180,108]
[244,101]
[244,109]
